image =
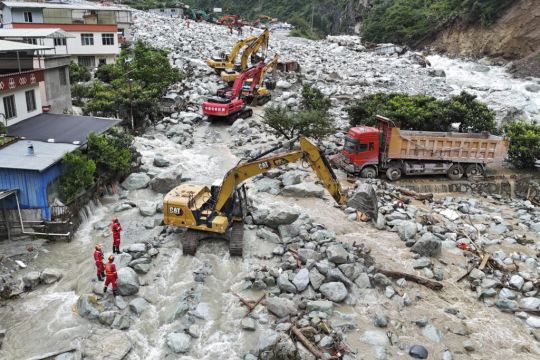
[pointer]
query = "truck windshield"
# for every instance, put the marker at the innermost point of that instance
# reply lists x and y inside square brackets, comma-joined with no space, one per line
[350,144]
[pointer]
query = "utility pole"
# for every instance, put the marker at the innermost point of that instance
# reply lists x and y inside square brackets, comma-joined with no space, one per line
[312,8]
[131,105]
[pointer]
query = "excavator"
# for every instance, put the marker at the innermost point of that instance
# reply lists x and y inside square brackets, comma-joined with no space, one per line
[230,103]
[228,75]
[261,91]
[218,211]
[227,61]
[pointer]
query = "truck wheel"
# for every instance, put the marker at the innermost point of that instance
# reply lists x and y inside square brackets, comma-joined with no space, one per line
[473,170]
[455,172]
[393,173]
[368,173]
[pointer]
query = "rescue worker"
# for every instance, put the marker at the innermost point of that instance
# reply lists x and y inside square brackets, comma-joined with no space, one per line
[230,28]
[116,229]
[110,276]
[98,259]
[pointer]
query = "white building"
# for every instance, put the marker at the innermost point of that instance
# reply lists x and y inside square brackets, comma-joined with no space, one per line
[168,12]
[20,94]
[97,32]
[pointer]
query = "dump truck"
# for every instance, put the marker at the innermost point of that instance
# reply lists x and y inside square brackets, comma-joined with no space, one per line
[386,148]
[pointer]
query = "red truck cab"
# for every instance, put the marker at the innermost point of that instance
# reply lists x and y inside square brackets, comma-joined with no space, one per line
[360,153]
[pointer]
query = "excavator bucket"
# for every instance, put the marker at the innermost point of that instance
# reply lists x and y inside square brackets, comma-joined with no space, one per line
[365,200]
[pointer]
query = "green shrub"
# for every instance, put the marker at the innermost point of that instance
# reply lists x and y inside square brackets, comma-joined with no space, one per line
[78,73]
[421,112]
[77,176]
[314,99]
[111,153]
[285,123]
[3,129]
[524,147]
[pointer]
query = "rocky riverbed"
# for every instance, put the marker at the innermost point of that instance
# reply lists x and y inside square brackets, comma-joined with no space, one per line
[317,266]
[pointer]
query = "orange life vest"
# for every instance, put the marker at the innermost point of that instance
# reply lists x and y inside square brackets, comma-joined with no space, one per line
[110,269]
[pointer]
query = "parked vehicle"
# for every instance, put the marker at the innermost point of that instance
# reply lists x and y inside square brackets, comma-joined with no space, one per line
[170,103]
[386,148]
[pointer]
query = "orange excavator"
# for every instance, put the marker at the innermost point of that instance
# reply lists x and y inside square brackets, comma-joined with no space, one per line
[231,102]
[230,20]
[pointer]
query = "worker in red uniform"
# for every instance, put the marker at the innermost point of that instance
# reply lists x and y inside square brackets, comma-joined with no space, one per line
[98,259]
[116,229]
[110,275]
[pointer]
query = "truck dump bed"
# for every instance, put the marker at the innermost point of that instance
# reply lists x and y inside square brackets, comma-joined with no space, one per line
[448,146]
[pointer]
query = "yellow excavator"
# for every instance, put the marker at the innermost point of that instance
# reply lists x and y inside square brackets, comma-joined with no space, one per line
[229,74]
[227,61]
[262,89]
[218,211]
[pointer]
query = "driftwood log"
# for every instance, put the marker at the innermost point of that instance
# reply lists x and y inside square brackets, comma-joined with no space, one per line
[251,304]
[414,194]
[433,285]
[309,345]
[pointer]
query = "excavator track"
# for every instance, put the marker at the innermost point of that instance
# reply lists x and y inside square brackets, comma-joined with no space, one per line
[190,242]
[236,243]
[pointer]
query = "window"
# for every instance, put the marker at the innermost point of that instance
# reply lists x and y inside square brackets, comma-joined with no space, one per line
[371,146]
[361,147]
[102,61]
[88,61]
[30,100]
[59,41]
[62,76]
[87,39]
[9,107]
[32,41]
[107,39]
[27,16]
[121,31]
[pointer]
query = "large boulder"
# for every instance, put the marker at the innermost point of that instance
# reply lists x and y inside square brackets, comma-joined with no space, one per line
[178,342]
[49,276]
[114,344]
[31,279]
[128,281]
[136,181]
[284,284]
[147,208]
[407,230]
[122,260]
[274,214]
[138,305]
[305,189]
[321,305]
[160,161]
[292,178]
[166,180]
[87,306]
[281,307]
[107,317]
[337,254]
[334,291]
[365,200]
[316,278]
[267,340]
[268,185]
[428,245]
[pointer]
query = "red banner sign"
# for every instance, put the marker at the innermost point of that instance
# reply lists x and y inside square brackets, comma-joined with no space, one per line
[14,81]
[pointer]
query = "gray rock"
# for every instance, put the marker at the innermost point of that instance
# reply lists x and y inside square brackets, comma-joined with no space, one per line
[122,260]
[436,73]
[305,189]
[365,200]
[166,180]
[316,278]
[280,307]
[138,305]
[87,306]
[532,88]
[428,245]
[516,282]
[121,322]
[324,306]
[49,276]
[292,178]
[120,302]
[267,340]
[141,268]
[268,235]
[128,281]
[248,323]
[107,317]
[334,291]
[381,320]
[308,254]
[337,254]
[477,274]
[334,274]
[498,229]
[283,84]
[137,247]
[31,279]
[147,208]
[284,284]
[447,355]
[178,342]
[506,293]
[407,230]
[506,304]
[194,331]
[67,356]
[533,321]
[422,263]
[136,181]
[375,338]
[160,161]
[301,279]
[469,345]
[326,342]
[362,281]
[274,215]
[272,186]
[380,224]
[431,333]
[322,236]
[530,303]
[116,344]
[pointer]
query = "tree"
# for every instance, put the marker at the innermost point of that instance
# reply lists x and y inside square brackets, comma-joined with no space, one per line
[524,147]
[2,128]
[78,175]
[421,112]
[111,153]
[314,99]
[79,91]
[78,73]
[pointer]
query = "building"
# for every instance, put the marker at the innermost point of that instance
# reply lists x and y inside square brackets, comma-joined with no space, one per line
[168,12]
[31,163]
[20,93]
[55,89]
[98,31]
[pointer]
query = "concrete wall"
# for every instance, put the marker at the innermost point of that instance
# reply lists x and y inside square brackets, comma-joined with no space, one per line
[75,47]
[17,15]
[20,103]
[58,96]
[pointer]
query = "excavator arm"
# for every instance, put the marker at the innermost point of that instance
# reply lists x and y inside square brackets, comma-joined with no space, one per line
[308,152]
[270,65]
[253,47]
[238,46]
